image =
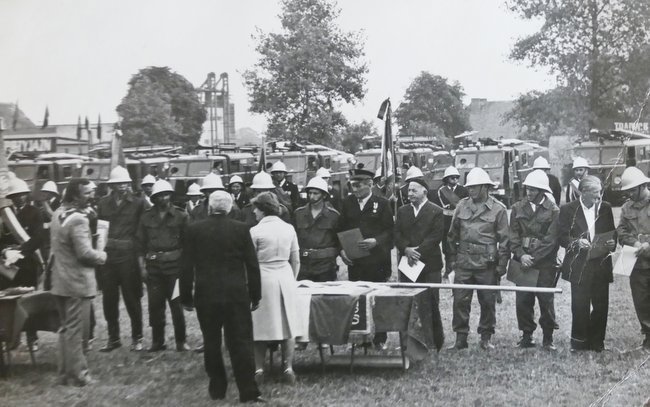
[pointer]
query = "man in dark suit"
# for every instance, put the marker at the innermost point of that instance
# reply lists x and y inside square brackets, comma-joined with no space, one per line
[580,221]
[219,260]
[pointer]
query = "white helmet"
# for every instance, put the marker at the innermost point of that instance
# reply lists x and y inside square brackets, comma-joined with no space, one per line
[235,178]
[450,171]
[279,166]
[319,184]
[119,175]
[148,179]
[413,172]
[633,177]
[161,186]
[541,163]
[538,179]
[194,190]
[478,176]
[50,186]
[580,162]
[212,181]
[262,180]
[17,186]
[323,173]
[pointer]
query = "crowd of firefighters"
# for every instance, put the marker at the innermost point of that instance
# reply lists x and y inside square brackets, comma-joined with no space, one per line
[478,240]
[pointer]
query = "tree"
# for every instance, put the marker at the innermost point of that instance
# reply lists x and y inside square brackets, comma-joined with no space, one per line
[595,49]
[432,107]
[305,71]
[353,135]
[161,107]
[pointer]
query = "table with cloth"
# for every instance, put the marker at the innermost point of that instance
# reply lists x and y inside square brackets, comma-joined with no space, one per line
[32,311]
[338,313]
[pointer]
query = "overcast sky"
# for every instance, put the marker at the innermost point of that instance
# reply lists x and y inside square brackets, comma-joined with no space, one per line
[76,56]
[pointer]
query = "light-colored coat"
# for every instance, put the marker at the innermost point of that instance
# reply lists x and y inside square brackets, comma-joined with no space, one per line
[73,272]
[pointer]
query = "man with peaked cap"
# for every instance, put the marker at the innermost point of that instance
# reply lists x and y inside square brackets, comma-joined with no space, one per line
[122,209]
[159,241]
[634,230]
[447,197]
[541,163]
[373,216]
[316,226]
[533,244]
[478,248]
[279,174]
[580,169]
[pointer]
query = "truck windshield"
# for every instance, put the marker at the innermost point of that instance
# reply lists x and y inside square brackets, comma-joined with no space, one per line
[199,168]
[368,161]
[466,160]
[612,155]
[592,155]
[24,172]
[490,159]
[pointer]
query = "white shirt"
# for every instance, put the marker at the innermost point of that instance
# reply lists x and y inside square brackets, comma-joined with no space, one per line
[364,201]
[416,209]
[534,207]
[590,217]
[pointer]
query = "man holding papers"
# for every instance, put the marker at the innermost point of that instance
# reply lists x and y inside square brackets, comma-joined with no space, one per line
[586,229]
[534,248]
[634,230]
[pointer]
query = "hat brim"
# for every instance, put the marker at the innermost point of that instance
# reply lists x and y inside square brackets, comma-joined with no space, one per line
[637,184]
[317,189]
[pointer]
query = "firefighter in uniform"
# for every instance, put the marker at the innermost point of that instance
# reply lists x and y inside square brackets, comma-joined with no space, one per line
[478,247]
[373,216]
[634,230]
[447,197]
[147,186]
[287,191]
[316,226]
[238,191]
[194,197]
[580,169]
[334,195]
[262,182]
[533,244]
[541,163]
[159,240]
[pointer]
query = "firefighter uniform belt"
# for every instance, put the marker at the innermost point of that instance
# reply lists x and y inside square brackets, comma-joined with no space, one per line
[314,254]
[530,243]
[477,248]
[164,256]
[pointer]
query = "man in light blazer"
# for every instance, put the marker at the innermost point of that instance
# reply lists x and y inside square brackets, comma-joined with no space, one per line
[578,224]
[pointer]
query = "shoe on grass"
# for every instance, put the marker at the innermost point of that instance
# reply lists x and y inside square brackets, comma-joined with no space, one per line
[110,346]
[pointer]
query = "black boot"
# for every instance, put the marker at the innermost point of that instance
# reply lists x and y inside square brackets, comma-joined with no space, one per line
[485,343]
[548,341]
[461,342]
[646,342]
[158,339]
[526,341]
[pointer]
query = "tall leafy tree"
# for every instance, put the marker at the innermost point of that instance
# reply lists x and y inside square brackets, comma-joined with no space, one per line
[161,107]
[432,107]
[596,49]
[352,136]
[305,72]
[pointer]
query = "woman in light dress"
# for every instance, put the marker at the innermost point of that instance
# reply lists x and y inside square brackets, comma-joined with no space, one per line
[276,318]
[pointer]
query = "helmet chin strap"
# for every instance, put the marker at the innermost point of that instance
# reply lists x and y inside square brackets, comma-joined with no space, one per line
[538,197]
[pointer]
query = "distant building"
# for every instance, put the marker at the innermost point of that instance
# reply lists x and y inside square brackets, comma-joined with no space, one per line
[486,117]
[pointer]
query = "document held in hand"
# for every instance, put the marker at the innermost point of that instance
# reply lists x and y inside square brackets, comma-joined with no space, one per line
[523,277]
[599,245]
[350,243]
[102,234]
[412,272]
[626,261]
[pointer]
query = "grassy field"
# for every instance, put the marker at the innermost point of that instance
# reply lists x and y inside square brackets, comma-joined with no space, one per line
[505,376]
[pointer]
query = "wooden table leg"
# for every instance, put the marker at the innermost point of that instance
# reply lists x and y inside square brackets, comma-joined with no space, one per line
[3,367]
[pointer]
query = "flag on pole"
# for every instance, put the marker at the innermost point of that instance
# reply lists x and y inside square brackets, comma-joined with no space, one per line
[262,160]
[99,127]
[117,153]
[14,121]
[388,158]
[78,127]
[87,124]
[46,119]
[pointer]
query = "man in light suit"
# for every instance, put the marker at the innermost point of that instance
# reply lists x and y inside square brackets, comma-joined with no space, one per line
[220,261]
[579,222]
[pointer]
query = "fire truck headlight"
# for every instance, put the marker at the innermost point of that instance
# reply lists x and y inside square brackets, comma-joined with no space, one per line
[617,180]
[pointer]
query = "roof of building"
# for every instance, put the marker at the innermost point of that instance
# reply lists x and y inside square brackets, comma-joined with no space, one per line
[7,113]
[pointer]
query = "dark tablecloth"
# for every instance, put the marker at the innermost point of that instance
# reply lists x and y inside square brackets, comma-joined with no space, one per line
[34,311]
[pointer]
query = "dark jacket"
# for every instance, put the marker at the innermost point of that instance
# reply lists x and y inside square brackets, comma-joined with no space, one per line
[28,268]
[424,232]
[161,235]
[291,189]
[573,226]
[124,220]
[220,262]
[634,227]
[318,233]
[443,200]
[556,188]
[533,233]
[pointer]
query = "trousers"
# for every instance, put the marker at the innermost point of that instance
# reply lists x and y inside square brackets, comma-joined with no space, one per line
[589,308]
[463,301]
[237,323]
[525,303]
[73,337]
[159,291]
[640,286]
[123,276]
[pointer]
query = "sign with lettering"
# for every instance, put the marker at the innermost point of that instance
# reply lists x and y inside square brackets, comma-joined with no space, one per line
[641,127]
[361,317]
[36,144]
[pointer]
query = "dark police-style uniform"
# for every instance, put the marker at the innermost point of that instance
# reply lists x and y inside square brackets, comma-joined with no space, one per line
[634,228]
[121,268]
[478,242]
[447,198]
[318,243]
[589,279]
[29,267]
[374,221]
[533,233]
[290,189]
[159,241]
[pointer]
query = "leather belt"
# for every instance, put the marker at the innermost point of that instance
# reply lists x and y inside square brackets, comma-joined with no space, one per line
[477,248]
[314,254]
[164,256]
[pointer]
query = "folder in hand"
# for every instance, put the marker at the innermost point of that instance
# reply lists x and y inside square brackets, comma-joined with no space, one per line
[522,276]
[349,240]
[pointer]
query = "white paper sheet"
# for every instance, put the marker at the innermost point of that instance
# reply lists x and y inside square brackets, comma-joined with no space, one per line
[625,262]
[177,291]
[102,234]
[412,272]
